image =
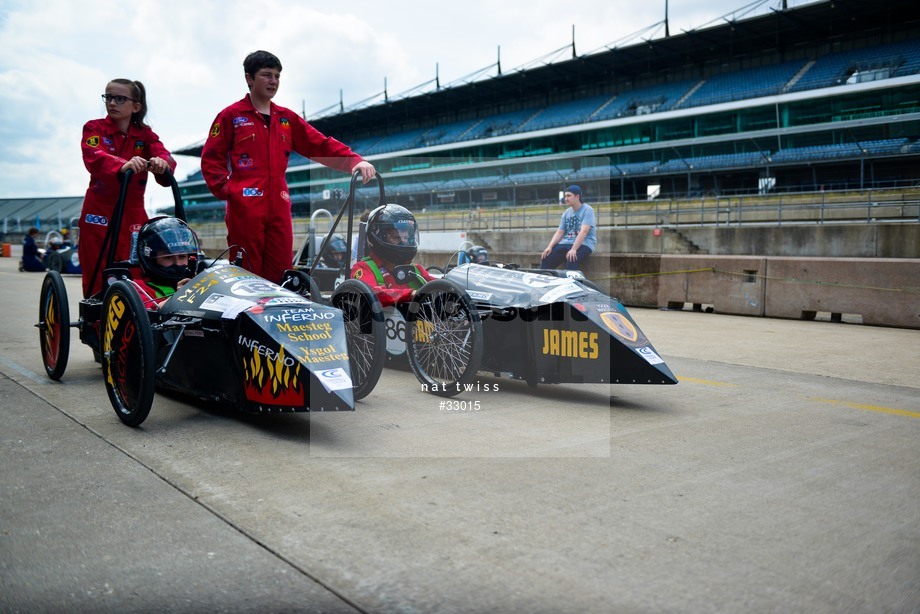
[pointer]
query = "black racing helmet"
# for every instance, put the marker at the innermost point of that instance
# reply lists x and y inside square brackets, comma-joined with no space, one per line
[392,234]
[164,236]
[477,254]
[336,252]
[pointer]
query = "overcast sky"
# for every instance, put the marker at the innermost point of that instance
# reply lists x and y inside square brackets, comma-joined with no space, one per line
[56,57]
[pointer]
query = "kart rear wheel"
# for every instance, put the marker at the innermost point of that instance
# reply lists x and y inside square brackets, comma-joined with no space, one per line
[54,325]
[127,353]
[365,333]
[443,338]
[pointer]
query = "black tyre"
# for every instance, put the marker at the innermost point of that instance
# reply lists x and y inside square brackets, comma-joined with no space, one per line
[304,285]
[443,338]
[365,331]
[55,262]
[127,353]
[54,325]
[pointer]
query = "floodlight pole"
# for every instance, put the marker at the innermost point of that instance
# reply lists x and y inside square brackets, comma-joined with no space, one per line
[667,31]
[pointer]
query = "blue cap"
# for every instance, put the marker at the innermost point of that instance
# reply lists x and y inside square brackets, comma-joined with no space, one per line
[574,189]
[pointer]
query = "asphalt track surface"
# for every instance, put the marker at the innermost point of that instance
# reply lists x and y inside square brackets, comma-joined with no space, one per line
[781,474]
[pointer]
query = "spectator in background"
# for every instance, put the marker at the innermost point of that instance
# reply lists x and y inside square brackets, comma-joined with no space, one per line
[31,258]
[245,159]
[112,145]
[65,239]
[576,236]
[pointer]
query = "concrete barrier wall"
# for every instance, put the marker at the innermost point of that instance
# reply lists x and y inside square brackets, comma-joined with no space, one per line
[879,291]
[882,291]
[729,284]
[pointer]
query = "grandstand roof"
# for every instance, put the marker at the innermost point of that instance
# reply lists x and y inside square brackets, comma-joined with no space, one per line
[711,49]
[25,211]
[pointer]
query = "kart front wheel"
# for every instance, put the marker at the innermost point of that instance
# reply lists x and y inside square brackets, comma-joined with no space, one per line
[444,338]
[364,331]
[127,353]
[54,325]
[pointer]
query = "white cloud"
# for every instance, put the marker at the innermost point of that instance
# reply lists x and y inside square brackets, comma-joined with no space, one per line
[58,55]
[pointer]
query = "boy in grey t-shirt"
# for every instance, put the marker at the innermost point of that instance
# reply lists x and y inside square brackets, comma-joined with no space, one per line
[576,236]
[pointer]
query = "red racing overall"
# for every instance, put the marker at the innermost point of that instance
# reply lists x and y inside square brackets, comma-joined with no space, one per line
[244,163]
[382,283]
[105,151]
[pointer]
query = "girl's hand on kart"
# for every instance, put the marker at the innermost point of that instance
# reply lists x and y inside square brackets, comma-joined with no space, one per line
[136,164]
[157,165]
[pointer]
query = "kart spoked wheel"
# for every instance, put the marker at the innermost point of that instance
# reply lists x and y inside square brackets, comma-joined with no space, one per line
[365,333]
[303,284]
[54,325]
[443,338]
[127,353]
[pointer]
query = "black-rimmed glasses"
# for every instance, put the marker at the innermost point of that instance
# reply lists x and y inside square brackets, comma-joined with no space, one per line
[117,98]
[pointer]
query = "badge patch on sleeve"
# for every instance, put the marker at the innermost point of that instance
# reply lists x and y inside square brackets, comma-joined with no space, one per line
[93,141]
[215,129]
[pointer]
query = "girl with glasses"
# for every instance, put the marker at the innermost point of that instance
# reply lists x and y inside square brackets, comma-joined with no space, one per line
[119,141]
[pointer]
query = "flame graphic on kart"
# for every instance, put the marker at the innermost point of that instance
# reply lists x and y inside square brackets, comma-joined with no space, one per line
[117,344]
[52,332]
[273,380]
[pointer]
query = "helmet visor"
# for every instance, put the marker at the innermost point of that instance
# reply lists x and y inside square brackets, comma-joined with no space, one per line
[400,232]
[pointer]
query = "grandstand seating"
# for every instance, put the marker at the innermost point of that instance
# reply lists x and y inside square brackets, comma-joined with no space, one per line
[565,114]
[711,162]
[502,164]
[841,150]
[448,133]
[497,125]
[902,58]
[653,99]
[750,83]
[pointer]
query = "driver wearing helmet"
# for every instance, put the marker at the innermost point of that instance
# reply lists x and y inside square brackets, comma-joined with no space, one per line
[335,252]
[167,250]
[477,254]
[392,240]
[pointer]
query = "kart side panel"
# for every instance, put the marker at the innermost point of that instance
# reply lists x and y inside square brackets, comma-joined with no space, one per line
[287,353]
[546,329]
[200,367]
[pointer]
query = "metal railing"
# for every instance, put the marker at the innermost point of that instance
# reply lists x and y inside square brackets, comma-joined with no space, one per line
[866,207]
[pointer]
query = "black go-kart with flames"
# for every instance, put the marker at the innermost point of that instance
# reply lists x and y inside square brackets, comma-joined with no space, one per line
[226,336]
[535,325]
